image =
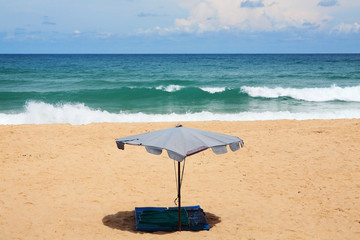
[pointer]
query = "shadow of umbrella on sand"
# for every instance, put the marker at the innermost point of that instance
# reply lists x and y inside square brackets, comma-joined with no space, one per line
[181,142]
[124,220]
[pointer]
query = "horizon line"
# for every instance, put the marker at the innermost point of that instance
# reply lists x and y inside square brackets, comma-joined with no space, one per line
[289,53]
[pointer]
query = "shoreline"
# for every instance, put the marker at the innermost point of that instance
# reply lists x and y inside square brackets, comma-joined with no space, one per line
[294,179]
[182,122]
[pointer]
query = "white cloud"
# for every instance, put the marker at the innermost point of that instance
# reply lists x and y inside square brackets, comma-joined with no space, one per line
[104,35]
[346,28]
[260,15]
[256,15]
[161,31]
[76,32]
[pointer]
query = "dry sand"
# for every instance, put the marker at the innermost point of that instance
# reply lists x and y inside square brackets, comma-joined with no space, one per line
[292,180]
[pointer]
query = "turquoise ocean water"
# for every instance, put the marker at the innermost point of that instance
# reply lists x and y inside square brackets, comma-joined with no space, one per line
[81,89]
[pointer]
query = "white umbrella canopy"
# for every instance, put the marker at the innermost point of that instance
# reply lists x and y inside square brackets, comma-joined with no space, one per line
[181,142]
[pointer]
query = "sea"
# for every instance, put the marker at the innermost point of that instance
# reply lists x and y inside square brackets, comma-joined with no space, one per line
[91,88]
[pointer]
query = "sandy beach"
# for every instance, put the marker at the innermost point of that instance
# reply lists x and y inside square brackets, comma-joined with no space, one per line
[292,180]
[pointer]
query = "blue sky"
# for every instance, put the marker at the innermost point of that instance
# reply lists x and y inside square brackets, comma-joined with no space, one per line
[174,26]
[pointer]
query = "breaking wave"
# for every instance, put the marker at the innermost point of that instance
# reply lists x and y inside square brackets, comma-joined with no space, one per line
[174,88]
[170,88]
[333,93]
[77,114]
[213,89]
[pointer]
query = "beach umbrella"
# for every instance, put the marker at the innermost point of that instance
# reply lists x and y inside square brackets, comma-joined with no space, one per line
[181,142]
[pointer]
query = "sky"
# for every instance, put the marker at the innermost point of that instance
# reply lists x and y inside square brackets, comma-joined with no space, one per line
[180,26]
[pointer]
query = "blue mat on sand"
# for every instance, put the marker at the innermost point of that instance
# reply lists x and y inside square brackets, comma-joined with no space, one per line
[152,219]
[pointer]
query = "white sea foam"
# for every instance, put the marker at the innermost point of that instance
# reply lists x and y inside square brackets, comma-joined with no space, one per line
[170,88]
[351,94]
[213,89]
[76,114]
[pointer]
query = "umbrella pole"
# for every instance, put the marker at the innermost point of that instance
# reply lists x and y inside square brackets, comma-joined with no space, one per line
[179,196]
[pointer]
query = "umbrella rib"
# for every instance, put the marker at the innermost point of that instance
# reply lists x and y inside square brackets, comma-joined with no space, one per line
[199,149]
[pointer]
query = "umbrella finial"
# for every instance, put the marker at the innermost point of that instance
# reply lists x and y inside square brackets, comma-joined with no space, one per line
[179,125]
